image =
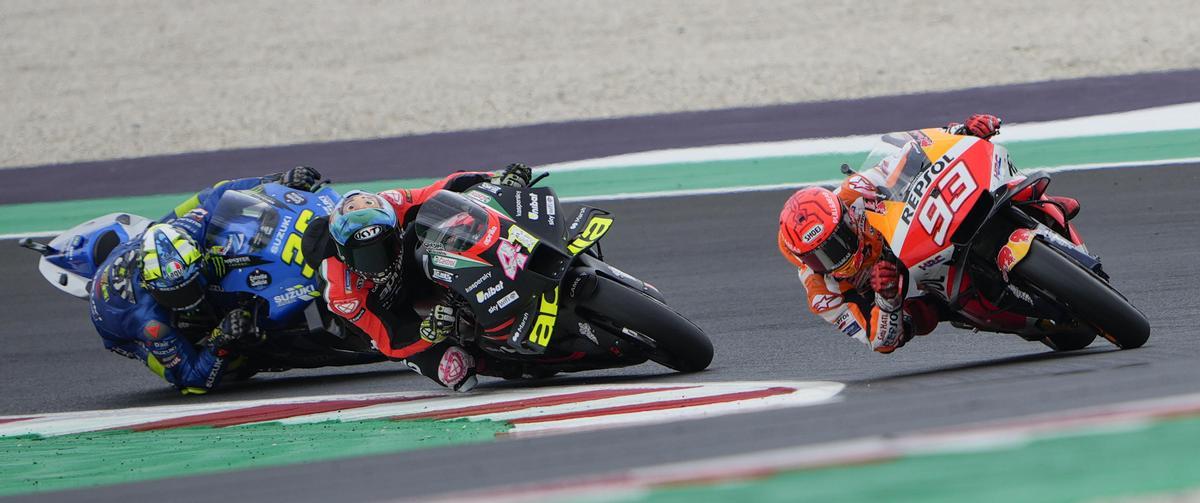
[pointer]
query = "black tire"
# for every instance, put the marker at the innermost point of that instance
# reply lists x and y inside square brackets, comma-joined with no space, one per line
[1068,342]
[677,342]
[1090,298]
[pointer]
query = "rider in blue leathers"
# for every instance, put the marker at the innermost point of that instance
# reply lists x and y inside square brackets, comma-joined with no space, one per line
[149,301]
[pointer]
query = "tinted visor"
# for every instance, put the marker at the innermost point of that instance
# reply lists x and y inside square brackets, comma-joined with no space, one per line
[836,251]
[181,297]
[374,257]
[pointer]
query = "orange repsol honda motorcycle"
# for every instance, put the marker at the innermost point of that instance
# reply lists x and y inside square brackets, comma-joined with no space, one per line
[986,240]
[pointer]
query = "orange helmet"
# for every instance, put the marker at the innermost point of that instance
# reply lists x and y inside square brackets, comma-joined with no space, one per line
[817,228]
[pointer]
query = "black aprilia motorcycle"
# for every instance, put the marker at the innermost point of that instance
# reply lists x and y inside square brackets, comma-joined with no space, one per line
[529,284]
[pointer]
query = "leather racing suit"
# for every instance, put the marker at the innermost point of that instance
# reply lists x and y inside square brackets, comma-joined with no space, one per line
[132,324]
[389,314]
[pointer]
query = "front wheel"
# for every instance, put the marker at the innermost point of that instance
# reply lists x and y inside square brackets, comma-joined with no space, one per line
[664,335]
[1092,300]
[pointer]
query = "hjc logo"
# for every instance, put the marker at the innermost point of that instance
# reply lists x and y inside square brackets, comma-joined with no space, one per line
[368,232]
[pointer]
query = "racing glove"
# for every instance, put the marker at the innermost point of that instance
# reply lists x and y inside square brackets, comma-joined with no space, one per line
[514,175]
[982,126]
[439,325]
[301,178]
[236,329]
[885,281]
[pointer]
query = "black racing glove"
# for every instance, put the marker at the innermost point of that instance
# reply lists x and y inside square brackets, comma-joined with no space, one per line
[301,178]
[439,325]
[514,175]
[236,329]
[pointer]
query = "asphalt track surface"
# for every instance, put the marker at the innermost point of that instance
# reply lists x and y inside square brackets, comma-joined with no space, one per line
[432,155]
[715,258]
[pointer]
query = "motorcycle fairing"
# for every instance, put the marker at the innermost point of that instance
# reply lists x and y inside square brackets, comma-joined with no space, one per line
[70,259]
[518,255]
[258,233]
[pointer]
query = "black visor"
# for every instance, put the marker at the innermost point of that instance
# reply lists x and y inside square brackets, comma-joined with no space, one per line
[374,256]
[837,250]
[186,295]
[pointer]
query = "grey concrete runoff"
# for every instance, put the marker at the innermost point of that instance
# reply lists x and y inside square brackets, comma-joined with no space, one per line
[107,79]
[715,258]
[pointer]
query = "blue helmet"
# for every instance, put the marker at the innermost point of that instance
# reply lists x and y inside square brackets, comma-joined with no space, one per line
[366,234]
[171,264]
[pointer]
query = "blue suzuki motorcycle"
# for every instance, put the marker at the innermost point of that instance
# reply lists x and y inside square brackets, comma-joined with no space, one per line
[258,233]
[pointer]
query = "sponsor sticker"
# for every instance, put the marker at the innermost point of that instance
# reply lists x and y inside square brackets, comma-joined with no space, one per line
[477,283]
[484,295]
[495,189]
[295,293]
[258,279]
[478,197]
[490,237]
[441,275]
[578,220]
[443,261]
[550,209]
[518,331]
[534,207]
[294,198]
[586,331]
[519,235]
[932,262]
[620,274]
[575,285]
[504,302]
[277,241]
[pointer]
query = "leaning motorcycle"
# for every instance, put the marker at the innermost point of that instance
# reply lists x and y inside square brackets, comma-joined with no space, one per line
[986,240]
[529,284]
[257,234]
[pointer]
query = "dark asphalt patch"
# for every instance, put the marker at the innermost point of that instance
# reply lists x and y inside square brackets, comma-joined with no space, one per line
[716,261]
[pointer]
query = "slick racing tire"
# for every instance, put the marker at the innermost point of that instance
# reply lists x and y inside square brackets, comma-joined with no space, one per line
[664,335]
[1092,300]
[1068,342]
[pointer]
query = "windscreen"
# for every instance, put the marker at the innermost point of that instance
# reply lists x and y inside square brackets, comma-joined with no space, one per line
[451,222]
[894,163]
[242,223]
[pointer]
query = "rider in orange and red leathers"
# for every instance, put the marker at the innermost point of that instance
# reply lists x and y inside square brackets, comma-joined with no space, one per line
[852,278]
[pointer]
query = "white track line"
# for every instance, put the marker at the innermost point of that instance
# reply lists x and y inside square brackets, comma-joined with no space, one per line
[803,393]
[1167,118]
[1119,417]
[762,188]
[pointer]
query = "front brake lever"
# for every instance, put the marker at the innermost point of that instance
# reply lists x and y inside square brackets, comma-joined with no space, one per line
[321,184]
[538,179]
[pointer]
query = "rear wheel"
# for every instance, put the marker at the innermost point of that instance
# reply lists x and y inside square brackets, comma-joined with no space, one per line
[1068,342]
[664,335]
[1092,300]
